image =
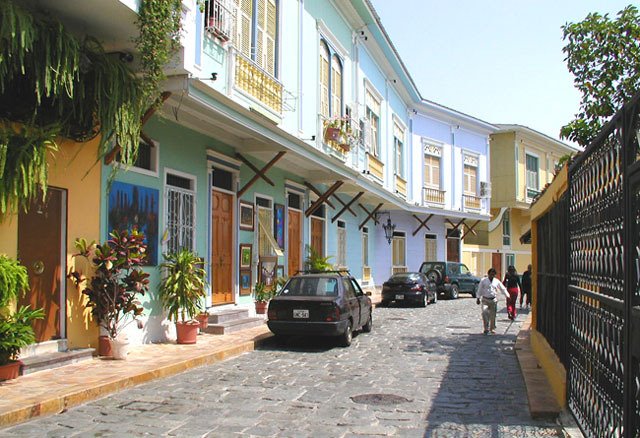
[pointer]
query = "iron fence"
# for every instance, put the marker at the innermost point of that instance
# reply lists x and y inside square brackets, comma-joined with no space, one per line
[603,372]
[552,300]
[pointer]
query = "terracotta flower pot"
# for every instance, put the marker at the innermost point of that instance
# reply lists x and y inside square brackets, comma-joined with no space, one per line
[104,346]
[332,134]
[261,307]
[187,332]
[203,319]
[10,370]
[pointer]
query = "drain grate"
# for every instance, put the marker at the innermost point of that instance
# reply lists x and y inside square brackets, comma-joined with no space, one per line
[380,399]
[142,406]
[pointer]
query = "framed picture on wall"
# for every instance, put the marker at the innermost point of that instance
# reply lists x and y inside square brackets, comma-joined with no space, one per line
[279,271]
[246,216]
[245,256]
[278,224]
[245,282]
[267,270]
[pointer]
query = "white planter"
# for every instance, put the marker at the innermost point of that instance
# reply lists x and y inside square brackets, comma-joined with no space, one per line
[119,348]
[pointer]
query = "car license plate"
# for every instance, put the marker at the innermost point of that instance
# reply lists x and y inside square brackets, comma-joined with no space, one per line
[300,313]
[399,297]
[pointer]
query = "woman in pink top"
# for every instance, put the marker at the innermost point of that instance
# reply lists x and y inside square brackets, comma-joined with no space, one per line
[512,283]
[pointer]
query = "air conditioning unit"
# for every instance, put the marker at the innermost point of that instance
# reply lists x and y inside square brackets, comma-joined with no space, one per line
[365,130]
[485,189]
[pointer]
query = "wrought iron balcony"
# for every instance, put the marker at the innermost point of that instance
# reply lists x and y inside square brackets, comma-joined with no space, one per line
[219,19]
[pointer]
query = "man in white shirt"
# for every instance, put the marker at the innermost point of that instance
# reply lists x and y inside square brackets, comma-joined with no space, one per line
[487,295]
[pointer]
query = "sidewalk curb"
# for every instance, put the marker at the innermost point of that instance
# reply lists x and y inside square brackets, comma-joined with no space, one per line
[61,403]
[542,402]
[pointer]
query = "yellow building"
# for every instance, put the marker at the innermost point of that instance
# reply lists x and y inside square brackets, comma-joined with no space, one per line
[523,162]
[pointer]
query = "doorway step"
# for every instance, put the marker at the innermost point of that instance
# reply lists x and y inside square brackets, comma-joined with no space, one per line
[51,354]
[227,321]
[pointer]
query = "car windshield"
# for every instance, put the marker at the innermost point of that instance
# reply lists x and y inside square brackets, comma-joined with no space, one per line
[311,287]
[428,266]
[404,276]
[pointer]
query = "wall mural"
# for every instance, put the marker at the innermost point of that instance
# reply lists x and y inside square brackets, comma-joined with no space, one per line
[135,207]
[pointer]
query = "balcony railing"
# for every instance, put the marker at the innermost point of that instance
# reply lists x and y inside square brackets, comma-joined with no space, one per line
[471,202]
[258,83]
[341,134]
[431,196]
[401,186]
[219,19]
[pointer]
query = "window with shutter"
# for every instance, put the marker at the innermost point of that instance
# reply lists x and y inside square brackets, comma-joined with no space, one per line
[430,247]
[398,144]
[245,13]
[336,87]
[432,171]
[324,79]
[470,180]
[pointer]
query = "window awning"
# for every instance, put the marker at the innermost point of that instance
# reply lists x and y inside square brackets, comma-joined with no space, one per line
[526,237]
[272,242]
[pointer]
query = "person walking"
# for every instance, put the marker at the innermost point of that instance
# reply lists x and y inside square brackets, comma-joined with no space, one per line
[512,283]
[487,295]
[526,287]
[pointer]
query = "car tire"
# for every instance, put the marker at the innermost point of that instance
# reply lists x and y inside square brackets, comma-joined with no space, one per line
[423,303]
[454,292]
[347,336]
[474,292]
[434,275]
[435,298]
[369,325]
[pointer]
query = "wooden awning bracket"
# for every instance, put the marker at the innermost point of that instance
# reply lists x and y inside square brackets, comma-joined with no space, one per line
[259,173]
[346,206]
[317,192]
[370,215]
[422,223]
[455,227]
[470,229]
[323,198]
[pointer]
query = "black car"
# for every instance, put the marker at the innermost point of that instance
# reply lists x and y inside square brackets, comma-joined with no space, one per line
[451,278]
[321,304]
[410,288]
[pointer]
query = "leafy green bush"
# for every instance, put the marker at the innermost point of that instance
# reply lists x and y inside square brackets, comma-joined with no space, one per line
[183,287]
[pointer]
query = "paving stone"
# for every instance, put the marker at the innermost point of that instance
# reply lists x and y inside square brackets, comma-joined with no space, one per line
[458,383]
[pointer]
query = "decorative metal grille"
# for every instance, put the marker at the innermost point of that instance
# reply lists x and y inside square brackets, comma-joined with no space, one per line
[603,373]
[552,298]
[180,219]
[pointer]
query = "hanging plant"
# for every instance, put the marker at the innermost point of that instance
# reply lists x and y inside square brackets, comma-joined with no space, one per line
[53,84]
[159,22]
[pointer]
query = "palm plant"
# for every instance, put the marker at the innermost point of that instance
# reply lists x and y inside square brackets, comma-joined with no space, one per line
[317,263]
[183,287]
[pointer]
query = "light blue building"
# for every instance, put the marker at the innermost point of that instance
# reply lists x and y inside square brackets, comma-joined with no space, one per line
[294,124]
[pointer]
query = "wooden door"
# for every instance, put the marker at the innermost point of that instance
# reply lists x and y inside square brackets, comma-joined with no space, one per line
[317,235]
[453,250]
[294,247]
[222,248]
[40,239]
[496,263]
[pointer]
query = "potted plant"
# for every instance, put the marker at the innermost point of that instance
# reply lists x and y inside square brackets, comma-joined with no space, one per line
[316,263]
[15,327]
[338,130]
[262,294]
[182,290]
[117,283]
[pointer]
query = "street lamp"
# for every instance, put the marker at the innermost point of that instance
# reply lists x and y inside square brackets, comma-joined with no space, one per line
[389,228]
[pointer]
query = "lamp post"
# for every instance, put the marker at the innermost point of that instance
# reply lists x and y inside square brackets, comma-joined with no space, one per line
[389,228]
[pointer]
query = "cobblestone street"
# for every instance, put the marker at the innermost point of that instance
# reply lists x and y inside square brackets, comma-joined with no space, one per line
[420,372]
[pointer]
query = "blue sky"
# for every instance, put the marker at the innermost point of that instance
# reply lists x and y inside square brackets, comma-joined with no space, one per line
[498,60]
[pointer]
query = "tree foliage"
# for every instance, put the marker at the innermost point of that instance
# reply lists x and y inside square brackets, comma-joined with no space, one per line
[603,54]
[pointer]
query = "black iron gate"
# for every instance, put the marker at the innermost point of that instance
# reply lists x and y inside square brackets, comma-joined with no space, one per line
[603,370]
